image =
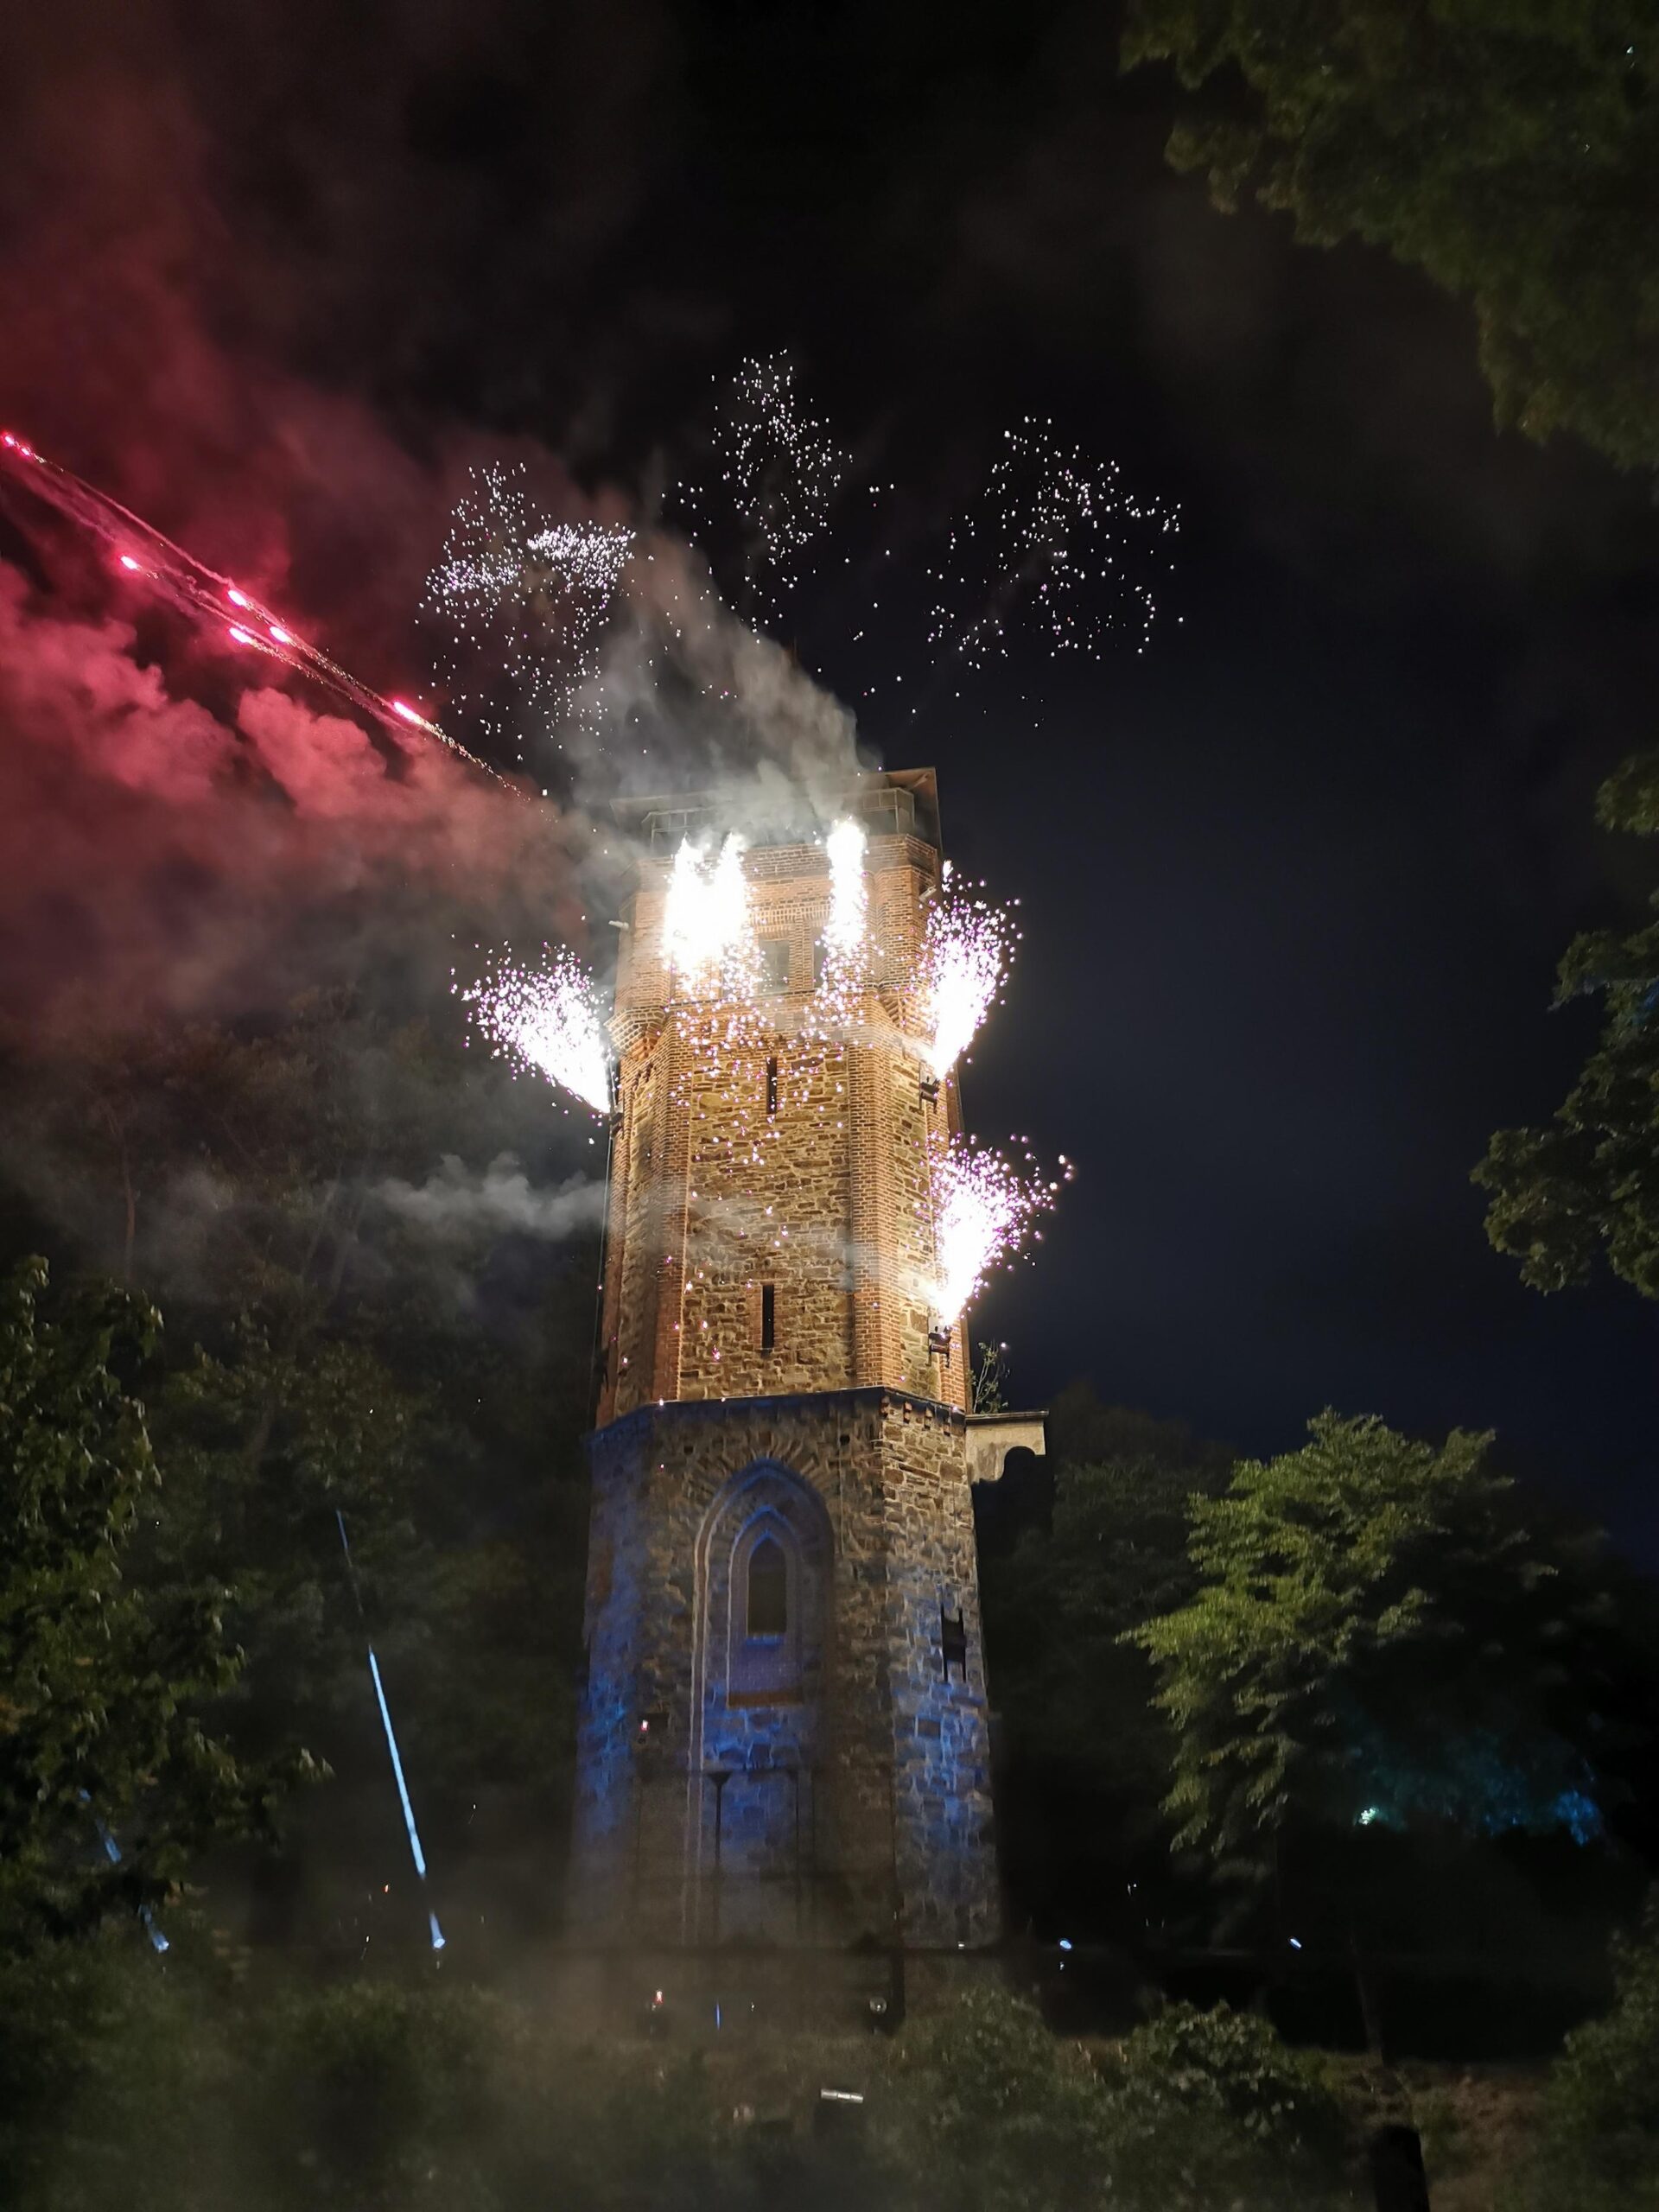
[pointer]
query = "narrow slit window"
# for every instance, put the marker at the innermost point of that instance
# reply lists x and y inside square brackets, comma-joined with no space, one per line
[774,961]
[767,1608]
[771,1087]
[820,960]
[768,1315]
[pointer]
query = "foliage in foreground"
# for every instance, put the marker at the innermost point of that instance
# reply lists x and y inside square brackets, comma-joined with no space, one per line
[110,1780]
[369,1251]
[184,2093]
[1585,1187]
[1510,151]
[1600,2138]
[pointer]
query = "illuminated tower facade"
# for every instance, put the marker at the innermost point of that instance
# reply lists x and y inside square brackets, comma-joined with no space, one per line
[784,1735]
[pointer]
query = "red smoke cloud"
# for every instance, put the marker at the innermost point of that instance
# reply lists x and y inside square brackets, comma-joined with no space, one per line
[159,850]
[154,857]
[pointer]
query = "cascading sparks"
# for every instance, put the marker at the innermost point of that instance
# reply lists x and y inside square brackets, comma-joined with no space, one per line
[985,1207]
[546,1017]
[708,930]
[844,932]
[967,947]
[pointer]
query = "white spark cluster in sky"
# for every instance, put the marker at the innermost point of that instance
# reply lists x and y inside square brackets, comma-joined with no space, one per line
[546,1017]
[1055,549]
[518,601]
[774,472]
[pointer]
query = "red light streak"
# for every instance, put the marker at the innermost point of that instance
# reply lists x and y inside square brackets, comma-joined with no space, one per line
[195,589]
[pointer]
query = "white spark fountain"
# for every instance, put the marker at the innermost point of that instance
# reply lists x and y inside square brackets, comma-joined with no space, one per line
[546,1018]
[984,1209]
[708,928]
[966,950]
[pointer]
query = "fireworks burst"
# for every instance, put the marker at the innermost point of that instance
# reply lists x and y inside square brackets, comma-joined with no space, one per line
[985,1207]
[546,1018]
[521,600]
[966,950]
[775,471]
[1054,546]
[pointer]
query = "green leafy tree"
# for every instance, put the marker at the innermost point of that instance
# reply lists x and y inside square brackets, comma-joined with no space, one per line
[1374,1632]
[1599,2142]
[109,1778]
[1508,147]
[1587,1187]
[1378,1646]
[422,1373]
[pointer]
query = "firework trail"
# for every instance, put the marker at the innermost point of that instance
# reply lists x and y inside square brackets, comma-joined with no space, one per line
[519,597]
[1054,547]
[985,1209]
[775,471]
[144,555]
[546,1018]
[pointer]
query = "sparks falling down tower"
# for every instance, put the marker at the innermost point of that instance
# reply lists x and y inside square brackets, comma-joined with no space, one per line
[784,1735]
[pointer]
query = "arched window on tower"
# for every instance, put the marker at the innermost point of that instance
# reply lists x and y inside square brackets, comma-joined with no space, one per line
[767,1612]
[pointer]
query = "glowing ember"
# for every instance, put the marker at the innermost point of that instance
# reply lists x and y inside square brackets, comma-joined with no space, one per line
[966,950]
[984,1209]
[545,1017]
[236,598]
[281,636]
[707,931]
[241,636]
[407,713]
[127,560]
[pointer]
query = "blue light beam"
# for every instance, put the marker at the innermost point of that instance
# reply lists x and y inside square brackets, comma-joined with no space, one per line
[418,1855]
[416,1852]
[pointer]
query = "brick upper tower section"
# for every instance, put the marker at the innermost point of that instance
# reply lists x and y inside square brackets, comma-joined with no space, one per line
[771,1226]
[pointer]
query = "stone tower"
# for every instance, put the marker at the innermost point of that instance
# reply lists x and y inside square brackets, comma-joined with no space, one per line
[783,1733]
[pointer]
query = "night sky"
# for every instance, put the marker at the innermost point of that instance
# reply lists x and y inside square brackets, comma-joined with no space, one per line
[1295,881]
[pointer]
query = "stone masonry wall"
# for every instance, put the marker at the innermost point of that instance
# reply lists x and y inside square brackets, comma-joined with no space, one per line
[867,1791]
[825,1196]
